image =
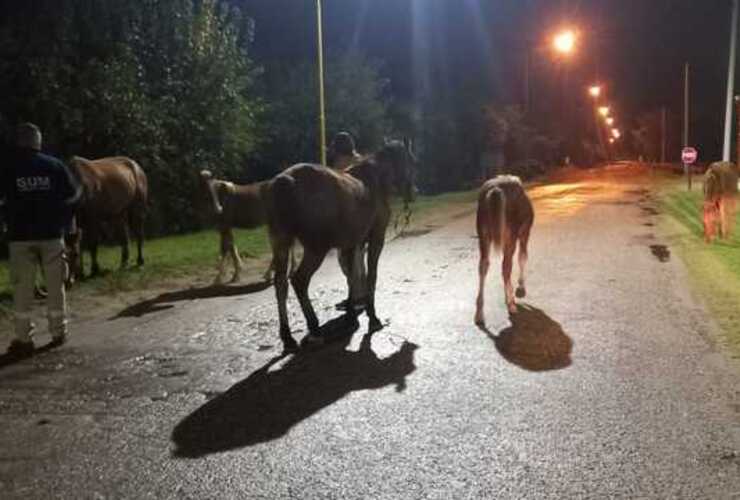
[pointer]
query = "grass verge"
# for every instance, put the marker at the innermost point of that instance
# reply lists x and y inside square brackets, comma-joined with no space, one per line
[714,269]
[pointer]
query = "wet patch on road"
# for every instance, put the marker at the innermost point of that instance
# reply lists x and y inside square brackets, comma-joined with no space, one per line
[661,252]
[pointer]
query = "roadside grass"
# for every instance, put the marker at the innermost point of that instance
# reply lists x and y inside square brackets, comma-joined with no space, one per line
[714,269]
[190,259]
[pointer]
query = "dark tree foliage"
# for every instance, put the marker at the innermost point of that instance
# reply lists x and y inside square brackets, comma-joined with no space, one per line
[166,82]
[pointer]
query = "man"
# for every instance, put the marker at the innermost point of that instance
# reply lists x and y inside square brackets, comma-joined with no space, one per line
[40,195]
[342,155]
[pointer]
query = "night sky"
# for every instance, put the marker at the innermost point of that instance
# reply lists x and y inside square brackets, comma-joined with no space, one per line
[637,48]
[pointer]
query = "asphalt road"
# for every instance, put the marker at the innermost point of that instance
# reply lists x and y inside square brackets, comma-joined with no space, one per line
[605,384]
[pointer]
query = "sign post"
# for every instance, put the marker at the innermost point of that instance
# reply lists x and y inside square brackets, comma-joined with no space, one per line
[688,157]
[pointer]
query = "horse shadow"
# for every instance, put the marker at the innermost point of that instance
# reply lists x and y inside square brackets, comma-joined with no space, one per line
[164,301]
[7,360]
[267,404]
[533,341]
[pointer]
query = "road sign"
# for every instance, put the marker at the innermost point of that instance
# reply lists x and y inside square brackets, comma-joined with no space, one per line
[689,155]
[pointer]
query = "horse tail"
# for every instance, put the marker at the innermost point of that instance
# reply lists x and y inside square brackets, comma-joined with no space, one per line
[496,207]
[284,200]
[141,188]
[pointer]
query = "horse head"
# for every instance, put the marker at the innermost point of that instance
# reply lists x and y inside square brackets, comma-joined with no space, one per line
[401,161]
[207,182]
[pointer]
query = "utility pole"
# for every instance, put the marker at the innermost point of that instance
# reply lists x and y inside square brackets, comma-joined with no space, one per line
[322,114]
[662,134]
[687,168]
[730,84]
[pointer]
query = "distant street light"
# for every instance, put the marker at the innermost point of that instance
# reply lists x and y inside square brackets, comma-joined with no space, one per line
[565,41]
[594,91]
[609,121]
[604,111]
[616,134]
[611,140]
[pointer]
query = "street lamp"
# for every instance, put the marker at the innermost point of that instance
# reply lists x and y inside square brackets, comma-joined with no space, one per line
[609,121]
[564,41]
[594,91]
[615,133]
[604,111]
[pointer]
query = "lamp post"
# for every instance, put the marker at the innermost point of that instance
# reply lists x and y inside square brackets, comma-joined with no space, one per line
[320,56]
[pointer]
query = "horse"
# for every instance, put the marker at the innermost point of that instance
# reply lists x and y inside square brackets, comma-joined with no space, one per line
[504,218]
[114,190]
[325,209]
[720,197]
[236,206]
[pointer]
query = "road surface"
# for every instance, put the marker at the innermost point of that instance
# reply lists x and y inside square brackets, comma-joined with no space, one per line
[606,383]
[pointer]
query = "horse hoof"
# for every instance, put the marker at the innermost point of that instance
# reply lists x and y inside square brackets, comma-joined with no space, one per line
[512,308]
[521,292]
[374,325]
[480,322]
[314,339]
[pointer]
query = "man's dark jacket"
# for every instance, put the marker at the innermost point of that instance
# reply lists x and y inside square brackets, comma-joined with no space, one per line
[40,195]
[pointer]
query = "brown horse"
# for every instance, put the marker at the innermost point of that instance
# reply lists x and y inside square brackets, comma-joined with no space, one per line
[720,198]
[115,191]
[236,206]
[325,209]
[505,217]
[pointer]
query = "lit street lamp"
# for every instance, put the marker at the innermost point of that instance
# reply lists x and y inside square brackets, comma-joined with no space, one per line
[594,91]
[615,133]
[609,121]
[565,41]
[604,111]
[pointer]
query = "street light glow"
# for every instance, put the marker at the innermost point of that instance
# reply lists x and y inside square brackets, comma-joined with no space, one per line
[594,90]
[609,121]
[611,140]
[565,41]
[615,133]
[604,111]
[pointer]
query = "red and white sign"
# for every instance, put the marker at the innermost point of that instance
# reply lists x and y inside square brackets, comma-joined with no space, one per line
[689,155]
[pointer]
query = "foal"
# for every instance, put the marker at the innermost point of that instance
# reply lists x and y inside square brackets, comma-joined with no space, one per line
[505,217]
[720,195]
[236,206]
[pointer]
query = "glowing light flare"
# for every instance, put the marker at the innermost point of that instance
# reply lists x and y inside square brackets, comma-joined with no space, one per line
[604,111]
[594,91]
[611,140]
[609,121]
[616,134]
[564,41]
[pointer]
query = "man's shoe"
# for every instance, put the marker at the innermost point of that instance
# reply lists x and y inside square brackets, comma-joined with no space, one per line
[21,350]
[58,340]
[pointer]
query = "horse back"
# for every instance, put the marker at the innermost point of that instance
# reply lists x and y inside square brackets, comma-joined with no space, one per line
[112,184]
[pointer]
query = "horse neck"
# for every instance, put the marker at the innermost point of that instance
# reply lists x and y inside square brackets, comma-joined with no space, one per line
[372,174]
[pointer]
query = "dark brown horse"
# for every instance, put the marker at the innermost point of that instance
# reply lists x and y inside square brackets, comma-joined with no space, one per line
[505,216]
[115,193]
[324,209]
[235,206]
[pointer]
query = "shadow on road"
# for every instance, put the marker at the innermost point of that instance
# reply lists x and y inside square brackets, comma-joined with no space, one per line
[164,300]
[267,404]
[534,341]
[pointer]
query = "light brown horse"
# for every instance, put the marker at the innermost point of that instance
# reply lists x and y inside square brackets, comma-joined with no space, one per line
[115,192]
[720,199]
[236,206]
[325,209]
[505,217]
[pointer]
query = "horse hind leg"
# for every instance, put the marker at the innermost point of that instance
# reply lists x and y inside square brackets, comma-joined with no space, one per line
[484,243]
[310,263]
[280,250]
[521,289]
[506,266]
[137,227]
[124,243]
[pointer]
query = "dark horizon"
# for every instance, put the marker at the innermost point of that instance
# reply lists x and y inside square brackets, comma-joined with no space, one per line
[635,48]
